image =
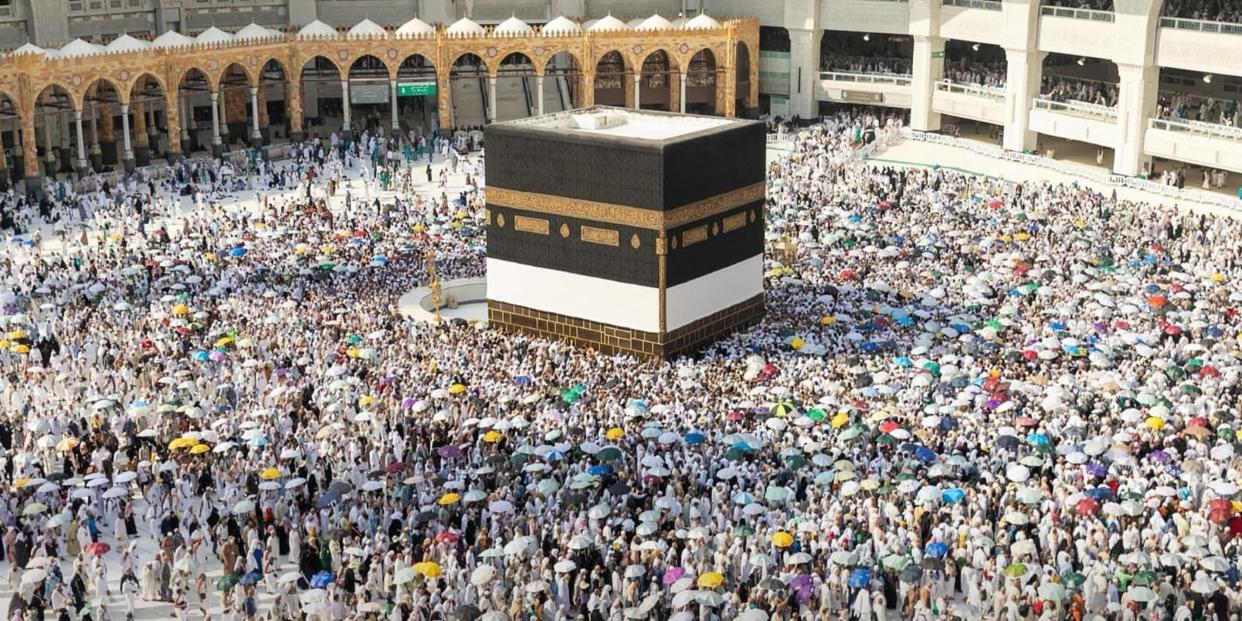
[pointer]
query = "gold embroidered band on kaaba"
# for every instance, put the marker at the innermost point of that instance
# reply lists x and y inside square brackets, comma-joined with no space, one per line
[624,214]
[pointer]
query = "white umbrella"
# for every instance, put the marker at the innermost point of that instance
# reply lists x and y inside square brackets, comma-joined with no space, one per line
[482,575]
[116,492]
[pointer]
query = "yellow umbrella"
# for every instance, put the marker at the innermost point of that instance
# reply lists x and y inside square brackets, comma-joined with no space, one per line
[180,443]
[710,580]
[1023,236]
[4,343]
[1218,277]
[1155,422]
[245,343]
[614,434]
[457,389]
[352,352]
[782,539]
[796,343]
[17,333]
[22,482]
[323,432]
[67,444]
[418,228]
[839,420]
[21,348]
[366,400]
[199,449]
[327,249]
[222,341]
[181,309]
[492,436]
[270,473]
[448,499]
[428,569]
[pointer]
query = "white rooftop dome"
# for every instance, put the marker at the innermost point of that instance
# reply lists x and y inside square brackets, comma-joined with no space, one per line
[78,47]
[561,26]
[367,29]
[465,27]
[126,43]
[30,48]
[702,21]
[415,28]
[655,22]
[253,32]
[317,30]
[171,38]
[513,27]
[213,35]
[634,23]
[608,24]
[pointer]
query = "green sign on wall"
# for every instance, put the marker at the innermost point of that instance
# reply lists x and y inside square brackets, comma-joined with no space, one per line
[416,89]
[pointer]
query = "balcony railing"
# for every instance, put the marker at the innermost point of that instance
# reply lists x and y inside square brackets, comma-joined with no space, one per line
[1200,25]
[989,5]
[1198,127]
[865,78]
[1078,108]
[990,92]
[1088,14]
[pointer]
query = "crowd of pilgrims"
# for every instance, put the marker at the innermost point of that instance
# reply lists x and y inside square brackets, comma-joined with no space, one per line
[969,400]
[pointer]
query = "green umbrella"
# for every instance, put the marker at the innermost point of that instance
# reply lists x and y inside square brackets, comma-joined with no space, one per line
[932,366]
[353,339]
[734,453]
[783,408]
[743,531]
[1073,580]
[776,493]
[795,461]
[895,562]
[851,433]
[1145,578]
[518,459]
[227,582]
[327,266]
[570,396]
[1015,570]
[1191,389]
[884,438]
[609,453]
[816,414]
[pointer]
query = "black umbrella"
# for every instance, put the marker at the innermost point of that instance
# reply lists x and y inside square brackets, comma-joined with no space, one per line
[340,487]
[618,489]
[425,516]
[912,574]
[933,564]
[467,613]
[1007,442]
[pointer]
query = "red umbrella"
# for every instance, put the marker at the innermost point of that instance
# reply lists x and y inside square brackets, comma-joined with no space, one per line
[847,274]
[1025,421]
[1209,371]
[395,467]
[1087,506]
[98,547]
[889,426]
[1030,354]
[734,416]
[1219,510]
[447,536]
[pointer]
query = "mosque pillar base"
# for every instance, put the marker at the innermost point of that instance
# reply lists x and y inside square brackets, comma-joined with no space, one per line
[130,164]
[217,150]
[34,186]
[142,156]
[297,136]
[173,157]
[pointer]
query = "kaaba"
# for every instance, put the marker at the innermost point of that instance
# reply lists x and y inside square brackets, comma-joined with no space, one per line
[625,231]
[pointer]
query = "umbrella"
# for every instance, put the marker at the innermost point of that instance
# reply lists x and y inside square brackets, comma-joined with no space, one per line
[482,575]
[710,580]
[227,582]
[859,578]
[467,613]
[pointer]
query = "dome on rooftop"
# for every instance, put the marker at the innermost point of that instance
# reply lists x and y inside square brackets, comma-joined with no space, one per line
[561,26]
[415,28]
[213,35]
[317,30]
[171,38]
[126,43]
[367,29]
[655,22]
[513,27]
[608,24]
[466,27]
[702,21]
[255,32]
[78,47]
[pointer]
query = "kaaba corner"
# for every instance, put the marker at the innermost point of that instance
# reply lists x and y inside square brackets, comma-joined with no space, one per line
[626,231]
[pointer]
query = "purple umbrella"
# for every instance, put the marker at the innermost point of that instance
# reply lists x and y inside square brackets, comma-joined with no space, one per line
[1096,470]
[673,574]
[407,403]
[1159,457]
[803,587]
[449,451]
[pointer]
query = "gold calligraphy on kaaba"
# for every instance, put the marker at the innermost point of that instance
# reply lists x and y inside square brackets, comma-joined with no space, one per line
[607,237]
[693,236]
[734,222]
[623,214]
[526,224]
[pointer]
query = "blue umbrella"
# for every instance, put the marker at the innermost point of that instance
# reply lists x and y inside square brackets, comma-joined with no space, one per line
[924,454]
[237,252]
[868,347]
[522,380]
[259,441]
[201,356]
[599,471]
[905,320]
[953,495]
[555,456]
[947,423]
[251,578]
[1096,470]
[694,437]
[322,579]
[743,498]
[379,259]
[936,549]
[326,499]
[742,446]
[859,578]
[1037,439]
[1099,493]
[903,361]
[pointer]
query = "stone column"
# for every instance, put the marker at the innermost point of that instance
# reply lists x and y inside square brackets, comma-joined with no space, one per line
[4,164]
[638,90]
[293,104]
[444,99]
[928,68]
[803,72]
[264,121]
[217,147]
[30,154]
[1024,72]
[142,142]
[153,130]
[128,157]
[50,160]
[539,89]
[586,96]
[172,116]
[96,153]
[221,102]
[1136,102]
[396,120]
[256,136]
[491,99]
[81,163]
[345,127]
[187,112]
[681,93]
